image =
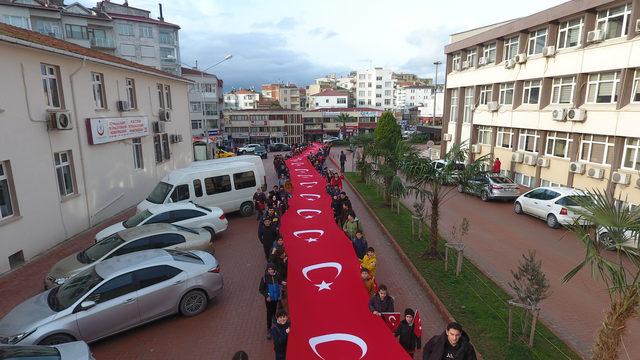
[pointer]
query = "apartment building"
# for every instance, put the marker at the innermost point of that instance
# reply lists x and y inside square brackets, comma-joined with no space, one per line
[206,102]
[554,95]
[413,95]
[121,30]
[411,78]
[288,95]
[374,88]
[241,99]
[85,135]
[324,122]
[263,126]
[330,99]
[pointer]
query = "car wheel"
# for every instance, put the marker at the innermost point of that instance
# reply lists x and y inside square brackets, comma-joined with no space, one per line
[212,232]
[484,196]
[606,241]
[552,221]
[460,189]
[246,209]
[193,303]
[56,339]
[517,207]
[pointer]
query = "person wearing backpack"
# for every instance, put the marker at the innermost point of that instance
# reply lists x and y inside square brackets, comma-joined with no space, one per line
[271,289]
[352,225]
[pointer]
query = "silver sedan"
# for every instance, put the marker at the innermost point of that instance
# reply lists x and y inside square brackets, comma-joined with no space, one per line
[77,350]
[115,295]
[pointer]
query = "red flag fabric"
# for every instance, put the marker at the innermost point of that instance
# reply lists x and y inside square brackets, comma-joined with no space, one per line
[327,302]
[417,328]
[392,319]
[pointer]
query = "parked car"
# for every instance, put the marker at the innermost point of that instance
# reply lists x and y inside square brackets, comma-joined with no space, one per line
[260,151]
[240,158]
[330,139]
[248,149]
[186,214]
[77,350]
[458,167]
[556,205]
[491,187]
[632,239]
[280,147]
[115,295]
[151,236]
[221,153]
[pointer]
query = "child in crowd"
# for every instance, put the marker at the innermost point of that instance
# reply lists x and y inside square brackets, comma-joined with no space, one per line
[369,261]
[369,281]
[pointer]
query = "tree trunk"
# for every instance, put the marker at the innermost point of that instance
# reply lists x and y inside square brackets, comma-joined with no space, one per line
[433,233]
[614,326]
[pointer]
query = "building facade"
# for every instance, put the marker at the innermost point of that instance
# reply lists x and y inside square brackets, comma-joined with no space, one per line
[413,95]
[320,123]
[263,126]
[89,156]
[330,99]
[289,97]
[554,95]
[374,88]
[206,101]
[241,99]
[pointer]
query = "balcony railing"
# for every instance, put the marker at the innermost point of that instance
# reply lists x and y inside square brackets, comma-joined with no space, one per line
[103,43]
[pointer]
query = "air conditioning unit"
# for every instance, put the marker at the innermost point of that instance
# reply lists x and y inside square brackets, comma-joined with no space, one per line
[577,114]
[595,36]
[621,178]
[59,120]
[548,51]
[638,26]
[174,138]
[493,106]
[517,157]
[530,159]
[596,173]
[465,64]
[543,162]
[576,167]
[482,61]
[164,115]
[521,58]
[159,127]
[509,64]
[476,148]
[559,114]
[447,137]
[123,105]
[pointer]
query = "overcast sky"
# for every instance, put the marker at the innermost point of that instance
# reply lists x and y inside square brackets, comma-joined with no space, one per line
[296,41]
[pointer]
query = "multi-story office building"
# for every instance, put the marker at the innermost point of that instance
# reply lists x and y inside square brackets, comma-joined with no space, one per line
[205,102]
[99,138]
[288,95]
[324,122]
[554,95]
[263,126]
[330,99]
[241,99]
[116,29]
[374,88]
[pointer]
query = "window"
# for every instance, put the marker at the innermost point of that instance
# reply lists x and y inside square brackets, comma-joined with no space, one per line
[114,288]
[138,162]
[569,33]
[387,93]
[19,21]
[196,107]
[197,187]
[163,217]
[631,158]
[511,47]
[467,115]
[51,84]
[597,149]
[484,135]
[50,28]
[180,193]
[161,147]
[168,54]
[167,97]
[210,108]
[6,189]
[341,100]
[166,152]
[548,183]
[387,101]
[361,93]
[558,144]
[506,94]
[155,275]
[537,40]
[164,96]
[217,184]
[161,241]
[635,93]
[486,94]
[97,83]
[525,180]
[456,62]
[563,90]
[196,124]
[528,140]
[471,57]
[208,87]
[614,21]
[244,180]
[126,29]
[146,31]
[453,114]
[362,77]
[378,95]
[603,88]
[167,37]
[489,53]
[379,78]
[504,137]
[64,172]
[531,92]
[130,89]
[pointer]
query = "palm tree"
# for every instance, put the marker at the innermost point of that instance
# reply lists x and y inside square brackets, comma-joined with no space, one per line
[343,119]
[615,226]
[388,166]
[437,184]
[366,142]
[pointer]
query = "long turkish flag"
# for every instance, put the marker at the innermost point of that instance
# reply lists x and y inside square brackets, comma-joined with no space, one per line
[327,300]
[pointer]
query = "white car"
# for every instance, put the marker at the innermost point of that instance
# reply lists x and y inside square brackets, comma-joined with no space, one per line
[556,205]
[631,238]
[249,148]
[330,139]
[185,214]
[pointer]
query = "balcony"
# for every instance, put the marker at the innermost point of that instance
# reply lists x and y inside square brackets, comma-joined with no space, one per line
[102,43]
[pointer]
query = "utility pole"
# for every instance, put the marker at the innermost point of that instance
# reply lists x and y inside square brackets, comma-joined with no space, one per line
[435,91]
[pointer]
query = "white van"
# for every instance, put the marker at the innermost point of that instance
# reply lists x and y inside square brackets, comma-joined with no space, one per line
[254,159]
[229,186]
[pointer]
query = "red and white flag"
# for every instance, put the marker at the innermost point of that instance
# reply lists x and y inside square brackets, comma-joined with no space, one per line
[417,328]
[392,319]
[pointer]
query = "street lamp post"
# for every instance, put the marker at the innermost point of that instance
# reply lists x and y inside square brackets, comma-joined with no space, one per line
[435,91]
[202,104]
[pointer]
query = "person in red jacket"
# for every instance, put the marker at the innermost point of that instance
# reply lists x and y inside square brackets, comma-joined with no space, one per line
[496,166]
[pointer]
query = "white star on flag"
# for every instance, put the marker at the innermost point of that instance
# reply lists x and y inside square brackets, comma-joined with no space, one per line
[310,240]
[324,286]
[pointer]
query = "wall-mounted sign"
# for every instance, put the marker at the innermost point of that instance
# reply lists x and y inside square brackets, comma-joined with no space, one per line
[370,113]
[105,130]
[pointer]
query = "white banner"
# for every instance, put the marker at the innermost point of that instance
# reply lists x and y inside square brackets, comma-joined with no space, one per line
[104,130]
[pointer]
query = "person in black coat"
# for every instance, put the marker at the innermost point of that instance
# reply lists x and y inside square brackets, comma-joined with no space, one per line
[280,335]
[406,334]
[381,302]
[360,244]
[453,344]
[267,234]
[271,288]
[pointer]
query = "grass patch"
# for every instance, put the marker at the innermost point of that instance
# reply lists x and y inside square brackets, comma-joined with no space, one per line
[478,303]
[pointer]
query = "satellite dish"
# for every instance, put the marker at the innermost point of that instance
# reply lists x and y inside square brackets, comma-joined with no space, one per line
[430,144]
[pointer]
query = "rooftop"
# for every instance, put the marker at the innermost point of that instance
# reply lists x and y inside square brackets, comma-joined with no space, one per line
[332,93]
[355,109]
[142,19]
[190,71]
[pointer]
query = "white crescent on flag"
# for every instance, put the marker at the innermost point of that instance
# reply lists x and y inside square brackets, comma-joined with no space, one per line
[309,239]
[304,176]
[301,170]
[310,197]
[308,184]
[322,339]
[311,211]
[323,285]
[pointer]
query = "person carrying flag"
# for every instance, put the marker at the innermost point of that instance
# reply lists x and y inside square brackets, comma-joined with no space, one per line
[409,333]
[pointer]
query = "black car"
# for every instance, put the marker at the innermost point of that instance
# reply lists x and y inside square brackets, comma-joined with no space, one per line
[260,151]
[280,147]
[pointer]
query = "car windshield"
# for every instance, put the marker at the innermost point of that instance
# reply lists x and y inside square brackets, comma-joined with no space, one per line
[29,352]
[501,180]
[136,219]
[159,193]
[73,289]
[101,248]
